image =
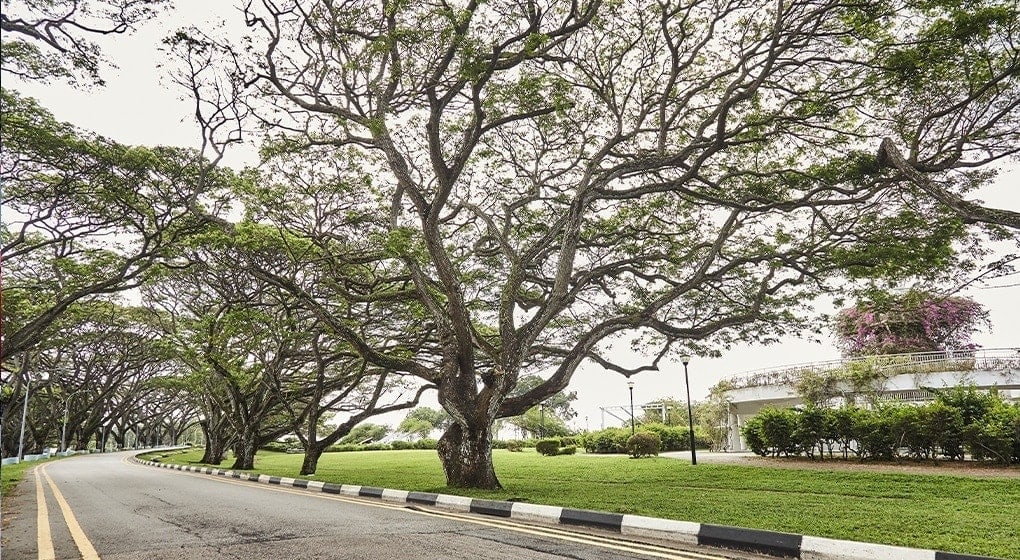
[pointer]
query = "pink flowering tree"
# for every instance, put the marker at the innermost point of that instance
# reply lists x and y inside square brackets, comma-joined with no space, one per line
[916,321]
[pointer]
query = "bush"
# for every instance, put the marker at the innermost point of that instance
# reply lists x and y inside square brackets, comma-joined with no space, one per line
[997,435]
[643,444]
[514,445]
[343,447]
[376,447]
[610,440]
[876,433]
[671,438]
[810,431]
[568,450]
[278,446]
[400,444]
[777,428]
[548,447]
[754,436]
[426,443]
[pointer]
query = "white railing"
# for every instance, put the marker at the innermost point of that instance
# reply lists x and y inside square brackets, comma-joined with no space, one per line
[991,359]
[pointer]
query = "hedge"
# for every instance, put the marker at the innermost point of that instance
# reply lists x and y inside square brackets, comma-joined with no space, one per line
[959,421]
[614,440]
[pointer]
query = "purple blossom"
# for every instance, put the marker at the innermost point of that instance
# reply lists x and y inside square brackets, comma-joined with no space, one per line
[912,322]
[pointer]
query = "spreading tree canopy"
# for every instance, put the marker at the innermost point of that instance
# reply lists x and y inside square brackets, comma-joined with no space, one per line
[534,181]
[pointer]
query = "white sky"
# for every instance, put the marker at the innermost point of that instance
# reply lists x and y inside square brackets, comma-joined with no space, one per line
[138,106]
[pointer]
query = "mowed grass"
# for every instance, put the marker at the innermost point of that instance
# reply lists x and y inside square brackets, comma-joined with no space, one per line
[952,513]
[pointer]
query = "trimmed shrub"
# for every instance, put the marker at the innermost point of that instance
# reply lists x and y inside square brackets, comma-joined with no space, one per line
[754,437]
[996,436]
[426,443]
[777,427]
[568,450]
[671,438]
[548,447]
[514,445]
[643,444]
[610,440]
[400,444]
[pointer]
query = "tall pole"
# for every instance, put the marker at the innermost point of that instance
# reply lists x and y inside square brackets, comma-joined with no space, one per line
[541,411]
[690,416]
[630,385]
[24,416]
[63,430]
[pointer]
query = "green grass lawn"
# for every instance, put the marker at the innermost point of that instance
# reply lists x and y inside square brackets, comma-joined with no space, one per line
[11,475]
[951,513]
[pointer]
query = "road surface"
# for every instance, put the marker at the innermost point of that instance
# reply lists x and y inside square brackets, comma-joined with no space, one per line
[103,506]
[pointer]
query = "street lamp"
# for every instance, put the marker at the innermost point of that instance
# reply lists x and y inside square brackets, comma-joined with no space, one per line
[690,417]
[541,422]
[630,386]
[63,431]
[24,413]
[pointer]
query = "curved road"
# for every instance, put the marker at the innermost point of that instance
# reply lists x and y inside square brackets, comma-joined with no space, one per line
[102,506]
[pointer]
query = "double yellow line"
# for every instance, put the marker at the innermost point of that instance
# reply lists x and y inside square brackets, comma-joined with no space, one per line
[45,539]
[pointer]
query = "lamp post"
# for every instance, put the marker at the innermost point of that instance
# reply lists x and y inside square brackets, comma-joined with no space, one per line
[24,413]
[63,430]
[541,422]
[630,386]
[690,417]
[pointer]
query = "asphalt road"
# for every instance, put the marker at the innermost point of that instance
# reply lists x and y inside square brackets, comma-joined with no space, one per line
[102,506]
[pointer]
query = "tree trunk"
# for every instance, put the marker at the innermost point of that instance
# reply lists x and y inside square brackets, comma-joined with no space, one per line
[215,444]
[244,451]
[311,461]
[466,453]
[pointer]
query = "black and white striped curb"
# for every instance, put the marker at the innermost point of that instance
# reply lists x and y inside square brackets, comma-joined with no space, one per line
[785,545]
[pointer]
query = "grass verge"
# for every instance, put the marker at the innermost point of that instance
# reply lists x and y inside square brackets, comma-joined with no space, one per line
[951,513]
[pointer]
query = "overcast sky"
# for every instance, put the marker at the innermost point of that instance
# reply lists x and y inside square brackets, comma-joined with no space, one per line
[138,106]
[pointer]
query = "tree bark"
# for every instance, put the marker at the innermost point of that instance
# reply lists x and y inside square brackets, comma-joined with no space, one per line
[244,451]
[466,453]
[311,461]
[215,444]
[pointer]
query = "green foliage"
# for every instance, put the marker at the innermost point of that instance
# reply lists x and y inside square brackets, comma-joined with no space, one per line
[423,420]
[548,447]
[643,444]
[366,432]
[515,445]
[426,443]
[610,440]
[959,421]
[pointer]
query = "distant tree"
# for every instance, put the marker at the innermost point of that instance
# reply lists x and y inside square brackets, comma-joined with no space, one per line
[366,432]
[423,420]
[915,321]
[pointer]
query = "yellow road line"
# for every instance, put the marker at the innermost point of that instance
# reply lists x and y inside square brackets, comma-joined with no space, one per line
[552,533]
[44,541]
[88,552]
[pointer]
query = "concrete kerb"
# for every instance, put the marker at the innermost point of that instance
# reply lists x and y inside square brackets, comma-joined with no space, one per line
[770,543]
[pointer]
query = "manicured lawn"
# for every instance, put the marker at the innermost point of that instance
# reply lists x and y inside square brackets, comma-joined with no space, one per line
[957,514]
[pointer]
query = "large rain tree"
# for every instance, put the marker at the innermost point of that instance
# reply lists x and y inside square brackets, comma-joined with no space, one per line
[561,175]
